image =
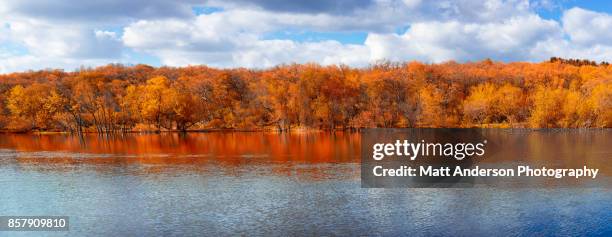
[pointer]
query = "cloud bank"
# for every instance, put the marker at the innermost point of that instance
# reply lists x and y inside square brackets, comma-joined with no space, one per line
[256,34]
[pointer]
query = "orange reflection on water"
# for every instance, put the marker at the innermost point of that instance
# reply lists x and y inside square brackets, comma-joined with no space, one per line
[233,148]
[285,151]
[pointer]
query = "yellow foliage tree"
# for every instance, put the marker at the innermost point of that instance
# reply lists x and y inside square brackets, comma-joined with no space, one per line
[431,107]
[601,99]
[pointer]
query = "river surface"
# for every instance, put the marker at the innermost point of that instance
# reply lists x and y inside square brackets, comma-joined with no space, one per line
[222,184]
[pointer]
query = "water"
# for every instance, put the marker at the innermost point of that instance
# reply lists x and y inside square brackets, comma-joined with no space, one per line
[219,184]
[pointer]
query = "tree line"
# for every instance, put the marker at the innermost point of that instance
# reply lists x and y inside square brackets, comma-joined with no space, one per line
[120,98]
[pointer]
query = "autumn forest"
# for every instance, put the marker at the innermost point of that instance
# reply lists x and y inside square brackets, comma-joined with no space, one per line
[115,98]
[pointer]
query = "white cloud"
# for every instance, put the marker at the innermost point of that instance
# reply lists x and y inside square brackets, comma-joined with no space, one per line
[588,27]
[69,34]
[101,12]
[48,40]
[102,34]
[520,37]
[14,63]
[37,44]
[267,53]
[568,49]
[412,3]
[179,43]
[234,37]
[336,7]
[452,40]
[587,35]
[477,11]
[63,34]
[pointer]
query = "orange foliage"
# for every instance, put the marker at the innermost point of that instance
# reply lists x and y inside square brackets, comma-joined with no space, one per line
[557,93]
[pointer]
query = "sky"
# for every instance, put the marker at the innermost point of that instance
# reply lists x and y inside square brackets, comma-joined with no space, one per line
[69,34]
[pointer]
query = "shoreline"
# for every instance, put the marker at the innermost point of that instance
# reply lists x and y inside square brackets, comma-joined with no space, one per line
[298,130]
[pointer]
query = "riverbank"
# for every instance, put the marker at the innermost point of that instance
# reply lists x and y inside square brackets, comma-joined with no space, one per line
[293,130]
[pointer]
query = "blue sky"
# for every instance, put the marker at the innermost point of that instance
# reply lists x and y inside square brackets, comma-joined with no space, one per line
[69,34]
